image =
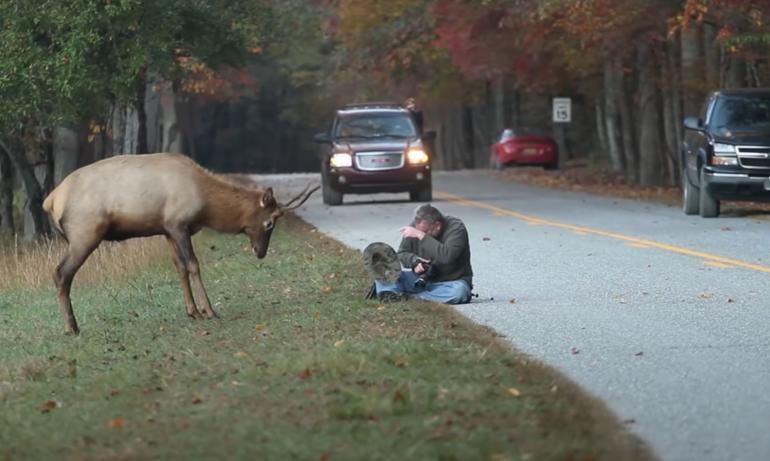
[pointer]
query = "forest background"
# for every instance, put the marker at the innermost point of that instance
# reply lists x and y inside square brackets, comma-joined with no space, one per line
[242,85]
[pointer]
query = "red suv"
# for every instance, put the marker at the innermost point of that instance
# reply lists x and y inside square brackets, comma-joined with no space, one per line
[376,147]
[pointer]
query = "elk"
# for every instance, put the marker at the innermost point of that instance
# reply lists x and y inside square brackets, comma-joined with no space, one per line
[129,196]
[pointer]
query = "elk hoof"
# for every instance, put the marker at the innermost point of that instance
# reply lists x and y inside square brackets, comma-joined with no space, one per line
[195,315]
[214,316]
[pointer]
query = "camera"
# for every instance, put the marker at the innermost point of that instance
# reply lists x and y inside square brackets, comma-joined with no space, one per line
[422,279]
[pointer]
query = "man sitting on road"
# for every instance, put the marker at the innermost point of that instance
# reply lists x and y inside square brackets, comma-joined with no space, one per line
[437,250]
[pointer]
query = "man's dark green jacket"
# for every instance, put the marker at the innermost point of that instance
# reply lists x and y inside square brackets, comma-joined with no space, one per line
[449,253]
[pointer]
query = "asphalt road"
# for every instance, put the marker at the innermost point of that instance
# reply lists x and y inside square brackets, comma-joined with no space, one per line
[665,317]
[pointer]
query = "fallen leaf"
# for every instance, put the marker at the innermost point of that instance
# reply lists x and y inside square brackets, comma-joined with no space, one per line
[639,354]
[117,423]
[259,327]
[49,405]
[730,300]
[306,374]
[514,392]
[401,362]
[240,354]
[706,295]
[726,228]
[205,333]
[114,392]
[574,350]
[486,239]
[629,421]
[512,301]
[326,289]
[197,400]
[339,343]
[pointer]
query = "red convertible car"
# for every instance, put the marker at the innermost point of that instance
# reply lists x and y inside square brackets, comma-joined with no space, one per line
[524,146]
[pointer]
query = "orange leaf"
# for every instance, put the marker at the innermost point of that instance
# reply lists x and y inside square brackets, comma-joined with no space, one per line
[306,374]
[48,405]
[117,423]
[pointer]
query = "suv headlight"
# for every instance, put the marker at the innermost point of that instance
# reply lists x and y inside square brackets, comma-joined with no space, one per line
[341,160]
[416,156]
[723,149]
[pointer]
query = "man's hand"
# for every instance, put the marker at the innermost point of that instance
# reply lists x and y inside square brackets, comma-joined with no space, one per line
[412,232]
[421,265]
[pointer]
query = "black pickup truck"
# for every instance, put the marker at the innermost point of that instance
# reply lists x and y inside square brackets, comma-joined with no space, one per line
[726,151]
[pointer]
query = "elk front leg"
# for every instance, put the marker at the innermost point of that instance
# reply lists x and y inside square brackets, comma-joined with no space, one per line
[193,268]
[184,279]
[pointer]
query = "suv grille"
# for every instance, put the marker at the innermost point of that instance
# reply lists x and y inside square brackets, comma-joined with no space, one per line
[374,161]
[754,156]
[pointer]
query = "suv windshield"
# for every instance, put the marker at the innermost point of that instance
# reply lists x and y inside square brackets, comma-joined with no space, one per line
[373,125]
[742,113]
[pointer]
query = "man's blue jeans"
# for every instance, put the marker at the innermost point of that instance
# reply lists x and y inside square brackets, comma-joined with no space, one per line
[451,292]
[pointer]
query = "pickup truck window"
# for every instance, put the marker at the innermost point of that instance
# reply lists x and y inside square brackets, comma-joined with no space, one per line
[738,113]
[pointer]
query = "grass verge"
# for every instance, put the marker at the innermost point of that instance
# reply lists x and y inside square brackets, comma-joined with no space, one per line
[300,367]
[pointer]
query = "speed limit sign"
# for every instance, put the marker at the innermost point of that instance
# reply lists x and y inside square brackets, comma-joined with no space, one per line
[562,110]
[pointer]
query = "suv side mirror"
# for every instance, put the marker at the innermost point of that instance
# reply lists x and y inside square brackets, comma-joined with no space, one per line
[429,135]
[322,138]
[693,123]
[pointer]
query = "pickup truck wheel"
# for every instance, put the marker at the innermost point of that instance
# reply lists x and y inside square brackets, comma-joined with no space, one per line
[423,194]
[709,206]
[330,196]
[690,196]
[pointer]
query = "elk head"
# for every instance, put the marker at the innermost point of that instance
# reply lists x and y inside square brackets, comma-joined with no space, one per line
[262,222]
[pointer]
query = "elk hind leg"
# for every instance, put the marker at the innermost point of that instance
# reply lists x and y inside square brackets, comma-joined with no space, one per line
[76,255]
[184,279]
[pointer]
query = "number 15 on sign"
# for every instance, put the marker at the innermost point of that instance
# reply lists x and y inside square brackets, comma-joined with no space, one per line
[562,110]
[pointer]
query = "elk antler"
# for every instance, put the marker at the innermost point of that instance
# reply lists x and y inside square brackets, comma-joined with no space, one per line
[307,193]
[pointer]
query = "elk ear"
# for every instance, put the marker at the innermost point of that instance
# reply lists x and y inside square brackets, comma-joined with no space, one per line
[267,198]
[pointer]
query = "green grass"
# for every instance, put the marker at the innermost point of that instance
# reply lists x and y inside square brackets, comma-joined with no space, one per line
[299,367]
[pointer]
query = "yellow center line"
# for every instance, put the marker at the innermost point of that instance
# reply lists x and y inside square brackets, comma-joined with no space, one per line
[613,235]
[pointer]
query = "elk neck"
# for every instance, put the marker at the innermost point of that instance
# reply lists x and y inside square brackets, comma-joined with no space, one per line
[228,205]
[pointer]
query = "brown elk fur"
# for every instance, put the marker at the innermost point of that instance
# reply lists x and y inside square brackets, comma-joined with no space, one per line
[156,194]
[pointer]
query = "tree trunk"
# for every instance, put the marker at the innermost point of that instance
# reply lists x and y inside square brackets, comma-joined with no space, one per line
[733,70]
[711,56]
[649,122]
[612,116]
[672,111]
[65,153]
[34,191]
[601,127]
[627,125]
[171,135]
[691,71]
[7,226]
[141,114]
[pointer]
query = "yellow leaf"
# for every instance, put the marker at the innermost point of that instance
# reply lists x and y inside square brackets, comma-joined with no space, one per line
[514,392]
[339,343]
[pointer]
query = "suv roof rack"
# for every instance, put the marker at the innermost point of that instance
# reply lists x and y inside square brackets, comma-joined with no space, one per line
[365,105]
